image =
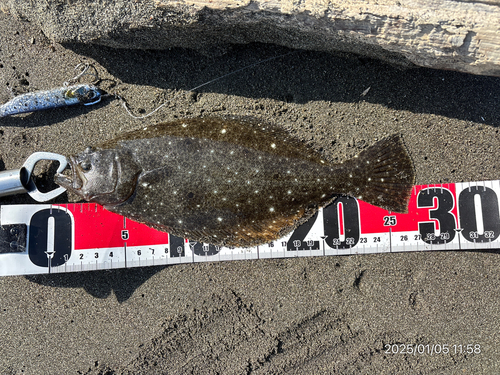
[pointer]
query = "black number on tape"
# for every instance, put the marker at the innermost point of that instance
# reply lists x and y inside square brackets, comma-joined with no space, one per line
[204,250]
[389,221]
[296,241]
[176,246]
[490,214]
[442,213]
[350,223]
[39,235]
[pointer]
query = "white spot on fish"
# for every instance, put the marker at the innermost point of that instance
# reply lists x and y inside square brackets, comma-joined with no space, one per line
[273,145]
[223,131]
[271,209]
[219,218]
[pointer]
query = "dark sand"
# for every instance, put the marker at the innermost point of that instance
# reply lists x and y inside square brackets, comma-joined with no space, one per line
[330,315]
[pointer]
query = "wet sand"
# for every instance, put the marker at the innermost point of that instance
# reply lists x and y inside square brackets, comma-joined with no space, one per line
[307,315]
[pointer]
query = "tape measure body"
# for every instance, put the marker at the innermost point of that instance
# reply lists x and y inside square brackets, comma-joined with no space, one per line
[45,238]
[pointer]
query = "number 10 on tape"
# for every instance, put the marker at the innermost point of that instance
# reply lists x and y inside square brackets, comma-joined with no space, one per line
[83,237]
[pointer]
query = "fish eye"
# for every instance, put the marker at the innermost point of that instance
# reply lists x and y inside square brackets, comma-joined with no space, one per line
[86,166]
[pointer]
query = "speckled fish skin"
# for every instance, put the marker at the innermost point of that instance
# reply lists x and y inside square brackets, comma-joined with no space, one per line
[60,97]
[231,182]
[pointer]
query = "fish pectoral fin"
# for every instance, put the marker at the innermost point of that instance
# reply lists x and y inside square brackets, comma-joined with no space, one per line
[154,175]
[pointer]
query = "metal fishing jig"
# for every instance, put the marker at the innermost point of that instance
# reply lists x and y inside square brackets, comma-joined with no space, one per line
[86,94]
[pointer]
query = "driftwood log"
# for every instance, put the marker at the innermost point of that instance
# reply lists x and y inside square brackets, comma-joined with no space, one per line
[459,35]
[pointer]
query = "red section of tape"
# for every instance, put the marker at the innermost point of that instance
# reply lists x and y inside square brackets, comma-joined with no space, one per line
[96,227]
[372,218]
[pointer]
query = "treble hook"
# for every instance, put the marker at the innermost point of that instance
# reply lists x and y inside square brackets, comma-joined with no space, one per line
[84,72]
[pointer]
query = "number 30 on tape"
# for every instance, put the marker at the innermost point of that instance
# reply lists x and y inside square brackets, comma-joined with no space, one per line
[82,237]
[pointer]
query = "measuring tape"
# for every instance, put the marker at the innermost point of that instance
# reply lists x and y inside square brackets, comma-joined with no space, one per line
[44,238]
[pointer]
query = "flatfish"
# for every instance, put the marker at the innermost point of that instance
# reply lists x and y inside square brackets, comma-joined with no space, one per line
[231,182]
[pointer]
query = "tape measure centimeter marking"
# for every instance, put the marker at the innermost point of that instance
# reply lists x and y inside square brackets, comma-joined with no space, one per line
[84,237]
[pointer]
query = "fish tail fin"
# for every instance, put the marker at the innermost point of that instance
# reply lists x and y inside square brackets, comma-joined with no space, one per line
[383,175]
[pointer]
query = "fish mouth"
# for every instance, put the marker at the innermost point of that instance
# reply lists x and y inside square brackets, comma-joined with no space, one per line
[73,183]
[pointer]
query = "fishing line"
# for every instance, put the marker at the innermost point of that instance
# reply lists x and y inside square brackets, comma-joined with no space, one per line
[124,103]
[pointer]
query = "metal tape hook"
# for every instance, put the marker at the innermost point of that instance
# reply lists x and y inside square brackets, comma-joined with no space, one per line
[29,165]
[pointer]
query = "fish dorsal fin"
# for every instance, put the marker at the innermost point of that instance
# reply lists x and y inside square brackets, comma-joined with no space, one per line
[245,132]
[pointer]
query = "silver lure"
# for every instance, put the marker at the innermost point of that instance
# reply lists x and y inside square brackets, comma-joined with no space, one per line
[60,97]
